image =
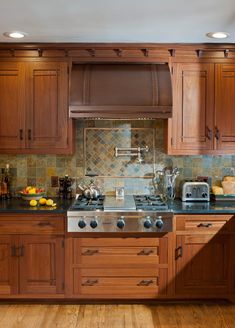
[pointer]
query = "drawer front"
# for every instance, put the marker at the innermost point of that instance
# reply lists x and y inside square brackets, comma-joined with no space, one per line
[105,242]
[115,286]
[120,272]
[33,226]
[119,256]
[204,223]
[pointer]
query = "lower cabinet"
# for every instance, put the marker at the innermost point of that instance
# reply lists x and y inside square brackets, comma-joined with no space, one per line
[203,256]
[31,265]
[117,267]
[41,265]
[8,266]
[202,265]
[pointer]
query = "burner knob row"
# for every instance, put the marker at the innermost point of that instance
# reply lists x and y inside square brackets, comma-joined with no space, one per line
[158,223]
[82,224]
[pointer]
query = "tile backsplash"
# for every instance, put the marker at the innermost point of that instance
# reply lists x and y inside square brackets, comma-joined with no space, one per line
[95,143]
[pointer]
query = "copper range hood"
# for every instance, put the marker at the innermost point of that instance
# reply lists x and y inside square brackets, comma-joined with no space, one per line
[120,91]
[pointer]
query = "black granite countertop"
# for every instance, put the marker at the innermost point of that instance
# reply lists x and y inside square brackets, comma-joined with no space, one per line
[17,205]
[213,207]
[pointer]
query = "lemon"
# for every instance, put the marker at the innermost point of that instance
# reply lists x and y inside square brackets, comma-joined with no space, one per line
[42,201]
[49,202]
[32,191]
[33,202]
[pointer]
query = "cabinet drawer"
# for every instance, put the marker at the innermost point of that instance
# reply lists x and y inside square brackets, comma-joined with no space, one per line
[38,225]
[118,256]
[120,272]
[138,287]
[142,242]
[204,223]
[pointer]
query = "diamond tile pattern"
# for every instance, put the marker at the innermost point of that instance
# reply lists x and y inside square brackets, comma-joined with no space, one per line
[100,152]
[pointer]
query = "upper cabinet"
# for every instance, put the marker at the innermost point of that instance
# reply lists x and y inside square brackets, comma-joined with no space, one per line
[12,105]
[203,105]
[34,108]
[224,107]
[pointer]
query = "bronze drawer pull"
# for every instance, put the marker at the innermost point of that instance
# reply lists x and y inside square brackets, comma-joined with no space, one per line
[217,133]
[205,225]
[208,133]
[90,252]
[21,134]
[178,252]
[90,282]
[44,224]
[145,283]
[29,134]
[145,252]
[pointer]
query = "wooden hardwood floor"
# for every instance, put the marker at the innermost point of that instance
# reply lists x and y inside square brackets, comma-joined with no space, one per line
[118,316]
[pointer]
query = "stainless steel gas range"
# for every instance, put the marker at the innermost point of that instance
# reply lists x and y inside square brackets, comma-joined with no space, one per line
[107,214]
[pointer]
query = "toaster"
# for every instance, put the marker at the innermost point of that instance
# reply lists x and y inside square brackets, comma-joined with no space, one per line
[195,191]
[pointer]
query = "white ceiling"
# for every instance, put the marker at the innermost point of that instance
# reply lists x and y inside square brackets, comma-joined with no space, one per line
[117,20]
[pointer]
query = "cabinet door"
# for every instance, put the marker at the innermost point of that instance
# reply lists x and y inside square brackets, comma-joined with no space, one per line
[41,265]
[202,265]
[11,105]
[47,109]
[193,101]
[224,107]
[8,265]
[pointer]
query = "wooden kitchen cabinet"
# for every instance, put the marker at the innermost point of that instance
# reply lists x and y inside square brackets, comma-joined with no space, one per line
[203,106]
[224,107]
[8,266]
[12,105]
[35,96]
[117,267]
[41,265]
[31,264]
[191,127]
[203,256]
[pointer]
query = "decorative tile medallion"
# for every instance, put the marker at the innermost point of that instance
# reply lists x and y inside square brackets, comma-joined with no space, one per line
[99,152]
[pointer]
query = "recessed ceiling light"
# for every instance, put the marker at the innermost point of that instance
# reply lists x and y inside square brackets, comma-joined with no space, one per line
[15,34]
[217,35]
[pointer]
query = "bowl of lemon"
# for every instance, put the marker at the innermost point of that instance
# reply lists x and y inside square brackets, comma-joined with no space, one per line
[32,193]
[42,202]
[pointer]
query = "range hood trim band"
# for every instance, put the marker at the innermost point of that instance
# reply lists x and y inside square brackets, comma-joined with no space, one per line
[125,111]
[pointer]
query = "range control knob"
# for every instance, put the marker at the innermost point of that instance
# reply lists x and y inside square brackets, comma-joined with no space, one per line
[204,195]
[93,224]
[148,222]
[121,222]
[188,194]
[159,223]
[81,224]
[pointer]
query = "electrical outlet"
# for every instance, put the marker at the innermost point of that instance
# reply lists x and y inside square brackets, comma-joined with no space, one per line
[54,181]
